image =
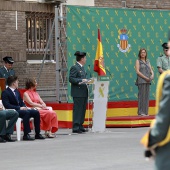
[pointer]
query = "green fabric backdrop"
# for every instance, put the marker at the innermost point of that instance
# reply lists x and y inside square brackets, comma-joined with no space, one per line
[145,29]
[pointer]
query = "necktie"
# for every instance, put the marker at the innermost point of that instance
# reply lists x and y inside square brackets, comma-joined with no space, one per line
[16,95]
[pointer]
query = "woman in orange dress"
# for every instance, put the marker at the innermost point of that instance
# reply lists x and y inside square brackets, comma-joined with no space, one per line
[48,118]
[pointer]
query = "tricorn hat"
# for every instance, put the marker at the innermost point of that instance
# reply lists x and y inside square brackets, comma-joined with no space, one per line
[165,45]
[8,59]
[78,53]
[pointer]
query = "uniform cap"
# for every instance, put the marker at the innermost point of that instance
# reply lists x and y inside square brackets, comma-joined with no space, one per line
[8,59]
[165,45]
[78,53]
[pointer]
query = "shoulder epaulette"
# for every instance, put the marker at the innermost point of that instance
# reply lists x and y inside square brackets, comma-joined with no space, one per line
[161,55]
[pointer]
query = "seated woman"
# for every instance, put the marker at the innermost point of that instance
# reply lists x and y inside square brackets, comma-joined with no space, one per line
[49,122]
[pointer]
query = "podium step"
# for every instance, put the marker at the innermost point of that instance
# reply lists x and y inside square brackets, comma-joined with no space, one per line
[129,121]
[119,114]
[124,121]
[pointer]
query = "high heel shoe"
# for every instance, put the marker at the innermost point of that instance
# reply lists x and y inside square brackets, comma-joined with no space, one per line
[48,134]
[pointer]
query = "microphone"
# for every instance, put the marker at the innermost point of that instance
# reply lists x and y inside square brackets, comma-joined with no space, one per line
[90,75]
[108,72]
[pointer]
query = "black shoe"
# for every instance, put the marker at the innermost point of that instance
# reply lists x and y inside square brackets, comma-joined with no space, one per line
[39,136]
[77,131]
[84,130]
[8,138]
[28,138]
[2,140]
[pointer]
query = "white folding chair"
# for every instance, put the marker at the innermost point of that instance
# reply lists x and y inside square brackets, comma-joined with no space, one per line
[18,127]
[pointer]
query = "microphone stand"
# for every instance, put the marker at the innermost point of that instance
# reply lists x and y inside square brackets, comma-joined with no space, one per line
[88,83]
[90,100]
[109,73]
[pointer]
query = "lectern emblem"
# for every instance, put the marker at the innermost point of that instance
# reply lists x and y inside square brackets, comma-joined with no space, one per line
[101,90]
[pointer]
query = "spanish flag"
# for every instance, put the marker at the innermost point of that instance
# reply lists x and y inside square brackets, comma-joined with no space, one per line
[99,60]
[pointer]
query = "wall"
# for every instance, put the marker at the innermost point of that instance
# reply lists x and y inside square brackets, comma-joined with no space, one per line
[13,42]
[24,6]
[146,4]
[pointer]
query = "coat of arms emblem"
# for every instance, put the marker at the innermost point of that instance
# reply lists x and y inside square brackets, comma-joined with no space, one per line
[123,46]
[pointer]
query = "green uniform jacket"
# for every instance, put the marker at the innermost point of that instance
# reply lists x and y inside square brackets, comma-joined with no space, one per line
[77,73]
[5,74]
[160,129]
[163,62]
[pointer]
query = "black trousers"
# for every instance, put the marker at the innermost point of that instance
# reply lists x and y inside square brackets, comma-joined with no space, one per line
[26,115]
[79,110]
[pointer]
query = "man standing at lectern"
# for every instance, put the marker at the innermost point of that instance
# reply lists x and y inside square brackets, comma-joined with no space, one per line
[7,70]
[79,91]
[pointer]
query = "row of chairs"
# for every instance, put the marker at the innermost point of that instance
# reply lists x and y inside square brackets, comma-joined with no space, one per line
[19,121]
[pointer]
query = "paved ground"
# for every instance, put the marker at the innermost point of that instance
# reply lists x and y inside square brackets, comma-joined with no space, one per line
[115,149]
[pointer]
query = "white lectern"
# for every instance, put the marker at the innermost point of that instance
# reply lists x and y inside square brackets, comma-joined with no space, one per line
[101,89]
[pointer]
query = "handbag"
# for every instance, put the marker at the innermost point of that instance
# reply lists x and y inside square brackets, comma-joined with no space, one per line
[136,82]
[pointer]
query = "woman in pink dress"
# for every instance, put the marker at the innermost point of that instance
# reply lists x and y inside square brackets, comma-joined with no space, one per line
[49,122]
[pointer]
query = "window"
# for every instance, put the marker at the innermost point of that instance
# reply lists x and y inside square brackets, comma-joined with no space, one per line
[38,29]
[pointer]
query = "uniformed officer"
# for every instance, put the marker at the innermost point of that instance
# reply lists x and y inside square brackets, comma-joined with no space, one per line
[79,91]
[157,139]
[163,62]
[7,70]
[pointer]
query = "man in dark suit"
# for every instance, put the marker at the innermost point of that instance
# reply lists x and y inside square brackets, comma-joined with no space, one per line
[6,131]
[7,70]
[79,92]
[11,99]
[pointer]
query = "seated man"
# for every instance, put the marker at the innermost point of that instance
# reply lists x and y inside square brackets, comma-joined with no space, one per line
[5,132]
[11,99]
